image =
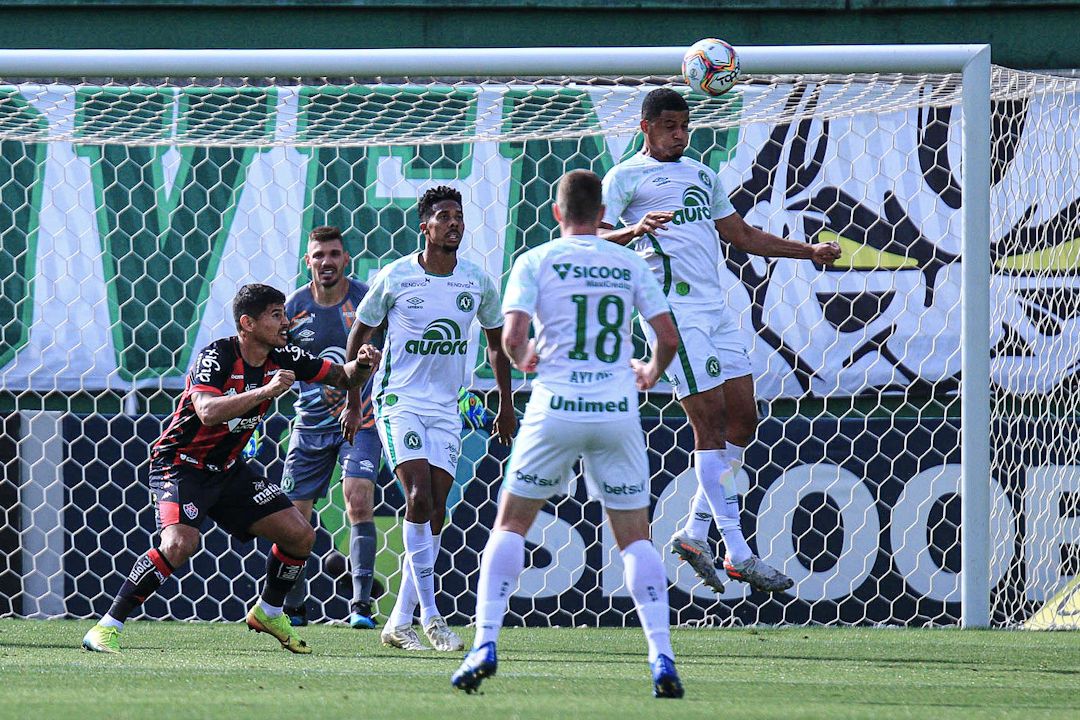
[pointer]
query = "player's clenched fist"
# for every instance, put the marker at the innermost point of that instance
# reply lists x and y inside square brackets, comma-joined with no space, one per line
[281,382]
[826,253]
[369,355]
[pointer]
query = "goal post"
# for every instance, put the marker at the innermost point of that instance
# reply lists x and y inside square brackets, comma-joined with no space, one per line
[143,186]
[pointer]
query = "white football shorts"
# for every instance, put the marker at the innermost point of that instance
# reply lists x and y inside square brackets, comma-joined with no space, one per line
[406,436]
[712,350]
[613,453]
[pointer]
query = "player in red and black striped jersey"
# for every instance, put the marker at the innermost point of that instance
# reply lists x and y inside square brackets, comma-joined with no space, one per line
[196,470]
[220,370]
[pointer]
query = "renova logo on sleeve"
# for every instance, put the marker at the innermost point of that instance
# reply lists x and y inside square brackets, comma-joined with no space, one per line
[695,206]
[440,337]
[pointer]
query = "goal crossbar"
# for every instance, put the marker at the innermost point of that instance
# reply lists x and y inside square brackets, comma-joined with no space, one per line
[972,60]
[477,61]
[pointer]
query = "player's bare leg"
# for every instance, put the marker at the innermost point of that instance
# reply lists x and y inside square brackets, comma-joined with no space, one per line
[292,537]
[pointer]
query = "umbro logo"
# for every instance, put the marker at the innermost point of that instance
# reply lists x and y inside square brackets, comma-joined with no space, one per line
[415,303]
[562,269]
[660,180]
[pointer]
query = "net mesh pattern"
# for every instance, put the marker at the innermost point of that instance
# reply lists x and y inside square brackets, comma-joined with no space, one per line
[133,209]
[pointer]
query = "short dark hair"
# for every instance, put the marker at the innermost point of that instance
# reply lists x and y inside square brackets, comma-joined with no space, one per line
[579,196]
[253,299]
[325,233]
[434,196]
[661,99]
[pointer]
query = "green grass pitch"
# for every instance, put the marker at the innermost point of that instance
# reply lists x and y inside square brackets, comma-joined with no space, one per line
[217,670]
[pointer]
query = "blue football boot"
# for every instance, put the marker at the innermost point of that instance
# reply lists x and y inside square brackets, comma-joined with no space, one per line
[480,663]
[666,683]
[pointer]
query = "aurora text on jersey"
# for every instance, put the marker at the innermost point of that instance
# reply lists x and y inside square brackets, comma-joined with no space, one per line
[429,320]
[686,258]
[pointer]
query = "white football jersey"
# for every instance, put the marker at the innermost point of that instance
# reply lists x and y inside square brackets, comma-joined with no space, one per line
[429,319]
[686,256]
[581,293]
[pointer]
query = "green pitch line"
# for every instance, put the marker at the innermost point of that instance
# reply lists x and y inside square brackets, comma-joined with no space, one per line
[204,670]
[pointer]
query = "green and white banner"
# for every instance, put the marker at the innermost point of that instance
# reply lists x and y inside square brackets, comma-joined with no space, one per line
[120,258]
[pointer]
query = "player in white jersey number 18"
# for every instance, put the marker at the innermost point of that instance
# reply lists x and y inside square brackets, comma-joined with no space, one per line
[672,208]
[579,292]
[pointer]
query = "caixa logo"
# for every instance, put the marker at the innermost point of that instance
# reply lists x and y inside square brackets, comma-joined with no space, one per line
[238,425]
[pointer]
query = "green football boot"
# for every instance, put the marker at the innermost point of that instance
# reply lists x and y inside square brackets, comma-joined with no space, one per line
[280,627]
[102,639]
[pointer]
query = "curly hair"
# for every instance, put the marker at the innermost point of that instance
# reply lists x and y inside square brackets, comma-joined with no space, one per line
[434,196]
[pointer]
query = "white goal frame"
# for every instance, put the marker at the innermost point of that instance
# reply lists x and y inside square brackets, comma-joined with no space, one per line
[973,61]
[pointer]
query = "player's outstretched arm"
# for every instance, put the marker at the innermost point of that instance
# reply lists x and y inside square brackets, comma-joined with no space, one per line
[653,221]
[216,409]
[750,239]
[667,342]
[354,373]
[506,423]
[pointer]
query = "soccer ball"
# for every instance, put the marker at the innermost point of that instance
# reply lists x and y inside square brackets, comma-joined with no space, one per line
[710,66]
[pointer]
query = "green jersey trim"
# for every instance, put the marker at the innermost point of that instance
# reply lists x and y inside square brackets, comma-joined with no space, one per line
[684,360]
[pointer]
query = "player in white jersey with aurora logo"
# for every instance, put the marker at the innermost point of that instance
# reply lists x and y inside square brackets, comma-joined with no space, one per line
[579,292]
[429,301]
[672,208]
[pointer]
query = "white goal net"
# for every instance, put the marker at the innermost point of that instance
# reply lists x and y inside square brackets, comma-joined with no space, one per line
[132,208]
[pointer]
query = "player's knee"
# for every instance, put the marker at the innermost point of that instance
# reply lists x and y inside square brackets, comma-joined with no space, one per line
[177,548]
[359,500]
[742,429]
[742,435]
[438,519]
[306,539]
[298,540]
[359,513]
[708,436]
[418,505]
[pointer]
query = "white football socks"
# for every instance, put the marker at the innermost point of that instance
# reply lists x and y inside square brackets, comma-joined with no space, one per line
[647,583]
[417,575]
[501,565]
[270,610]
[110,621]
[701,516]
[716,486]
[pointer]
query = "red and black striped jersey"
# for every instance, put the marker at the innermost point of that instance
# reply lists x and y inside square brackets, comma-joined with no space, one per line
[219,369]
